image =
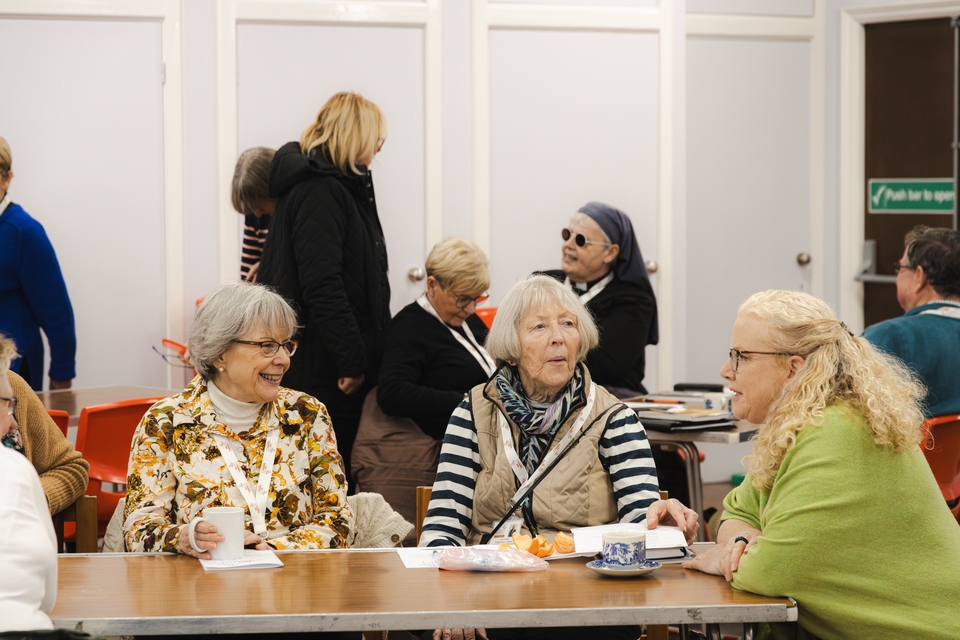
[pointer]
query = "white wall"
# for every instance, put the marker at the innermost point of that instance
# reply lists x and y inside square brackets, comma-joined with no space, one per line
[570,93]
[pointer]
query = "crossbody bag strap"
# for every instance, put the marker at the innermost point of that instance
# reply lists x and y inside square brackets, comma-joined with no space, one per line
[522,494]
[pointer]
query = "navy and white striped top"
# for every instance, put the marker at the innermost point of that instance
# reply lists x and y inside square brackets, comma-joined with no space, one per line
[623,450]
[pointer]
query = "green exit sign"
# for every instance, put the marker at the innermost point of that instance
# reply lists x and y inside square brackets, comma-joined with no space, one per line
[911,195]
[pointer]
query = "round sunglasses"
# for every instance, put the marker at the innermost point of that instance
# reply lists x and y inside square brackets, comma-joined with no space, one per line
[580,239]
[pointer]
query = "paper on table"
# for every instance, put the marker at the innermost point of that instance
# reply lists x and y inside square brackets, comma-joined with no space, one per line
[252,559]
[415,558]
[590,539]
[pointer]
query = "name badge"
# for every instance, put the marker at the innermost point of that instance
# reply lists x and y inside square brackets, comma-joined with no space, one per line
[504,533]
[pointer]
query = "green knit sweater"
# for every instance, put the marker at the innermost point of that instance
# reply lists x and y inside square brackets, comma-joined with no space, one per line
[857,534]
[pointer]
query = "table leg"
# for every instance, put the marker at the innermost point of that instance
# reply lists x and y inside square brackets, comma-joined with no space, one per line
[694,483]
[713,632]
[749,631]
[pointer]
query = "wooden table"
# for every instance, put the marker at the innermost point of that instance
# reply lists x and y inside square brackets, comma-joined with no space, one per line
[686,441]
[152,594]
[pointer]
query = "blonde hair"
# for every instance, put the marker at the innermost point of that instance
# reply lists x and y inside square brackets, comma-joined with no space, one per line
[6,158]
[838,368]
[250,179]
[8,351]
[532,293]
[459,266]
[348,128]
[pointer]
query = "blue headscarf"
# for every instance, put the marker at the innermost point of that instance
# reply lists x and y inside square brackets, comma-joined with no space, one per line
[629,266]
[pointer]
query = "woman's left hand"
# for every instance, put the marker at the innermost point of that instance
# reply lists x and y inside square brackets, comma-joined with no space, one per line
[672,512]
[252,539]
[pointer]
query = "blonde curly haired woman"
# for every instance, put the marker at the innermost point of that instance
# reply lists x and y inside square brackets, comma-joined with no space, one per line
[839,510]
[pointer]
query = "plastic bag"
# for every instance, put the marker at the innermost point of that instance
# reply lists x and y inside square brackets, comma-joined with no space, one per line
[473,559]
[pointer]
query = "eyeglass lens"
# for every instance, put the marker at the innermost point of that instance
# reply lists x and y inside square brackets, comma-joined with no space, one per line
[12,405]
[734,356]
[270,348]
[579,239]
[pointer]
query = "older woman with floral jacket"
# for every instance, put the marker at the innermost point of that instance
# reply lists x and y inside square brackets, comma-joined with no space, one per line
[235,437]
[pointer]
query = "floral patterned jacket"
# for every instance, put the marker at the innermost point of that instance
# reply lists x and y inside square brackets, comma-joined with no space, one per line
[176,470]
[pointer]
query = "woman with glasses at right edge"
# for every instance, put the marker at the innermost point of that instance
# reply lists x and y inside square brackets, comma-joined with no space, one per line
[601,260]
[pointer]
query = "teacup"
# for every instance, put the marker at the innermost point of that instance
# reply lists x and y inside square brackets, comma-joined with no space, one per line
[229,524]
[626,549]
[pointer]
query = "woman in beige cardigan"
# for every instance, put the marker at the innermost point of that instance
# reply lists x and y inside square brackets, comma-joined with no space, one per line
[62,471]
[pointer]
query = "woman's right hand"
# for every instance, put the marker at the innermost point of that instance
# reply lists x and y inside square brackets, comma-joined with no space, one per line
[460,634]
[350,385]
[206,537]
[724,557]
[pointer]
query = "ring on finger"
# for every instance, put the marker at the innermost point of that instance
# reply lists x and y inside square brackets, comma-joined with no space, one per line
[740,539]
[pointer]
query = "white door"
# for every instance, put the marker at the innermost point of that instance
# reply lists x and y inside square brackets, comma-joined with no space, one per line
[286,73]
[83,113]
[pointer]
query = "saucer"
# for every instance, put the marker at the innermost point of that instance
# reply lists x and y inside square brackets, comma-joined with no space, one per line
[620,572]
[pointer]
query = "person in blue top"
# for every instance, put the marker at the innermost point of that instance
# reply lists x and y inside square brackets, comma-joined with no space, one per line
[33,295]
[927,336]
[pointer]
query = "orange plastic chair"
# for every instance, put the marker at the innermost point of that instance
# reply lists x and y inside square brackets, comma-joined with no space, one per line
[104,435]
[941,446]
[487,314]
[62,418]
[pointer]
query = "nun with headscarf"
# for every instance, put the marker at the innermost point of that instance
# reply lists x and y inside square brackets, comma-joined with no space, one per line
[601,261]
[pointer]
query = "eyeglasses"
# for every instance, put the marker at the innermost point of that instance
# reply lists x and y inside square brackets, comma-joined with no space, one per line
[736,354]
[580,239]
[171,359]
[380,144]
[13,405]
[897,267]
[269,348]
[465,301]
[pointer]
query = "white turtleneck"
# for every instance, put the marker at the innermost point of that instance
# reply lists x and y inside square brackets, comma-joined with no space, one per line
[239,416]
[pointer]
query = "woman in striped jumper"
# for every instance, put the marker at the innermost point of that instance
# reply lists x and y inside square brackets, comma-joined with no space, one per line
[541,407]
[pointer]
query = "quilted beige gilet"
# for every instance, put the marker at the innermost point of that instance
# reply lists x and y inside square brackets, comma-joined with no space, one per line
[576,493]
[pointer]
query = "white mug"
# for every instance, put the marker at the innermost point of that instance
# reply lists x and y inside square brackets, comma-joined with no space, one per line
[625,549]
[229,524]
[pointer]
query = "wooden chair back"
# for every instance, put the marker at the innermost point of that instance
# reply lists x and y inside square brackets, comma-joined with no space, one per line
[83,514]
[423,501]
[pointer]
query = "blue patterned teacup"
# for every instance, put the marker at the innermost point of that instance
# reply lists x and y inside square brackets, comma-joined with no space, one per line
[625,549]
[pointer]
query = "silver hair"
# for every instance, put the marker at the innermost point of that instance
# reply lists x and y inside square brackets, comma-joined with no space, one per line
[531,293]
[230,312]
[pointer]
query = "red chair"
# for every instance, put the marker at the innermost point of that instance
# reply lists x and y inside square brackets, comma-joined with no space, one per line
[487,314]
[104,435]
[941,446]
[62,418]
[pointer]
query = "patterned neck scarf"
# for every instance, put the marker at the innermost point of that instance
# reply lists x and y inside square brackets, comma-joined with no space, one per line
[537,425]
[11,440]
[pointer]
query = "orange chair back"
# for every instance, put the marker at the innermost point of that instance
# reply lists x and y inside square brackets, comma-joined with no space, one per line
[942,448]
[487,314]
[62,418]
[104,435]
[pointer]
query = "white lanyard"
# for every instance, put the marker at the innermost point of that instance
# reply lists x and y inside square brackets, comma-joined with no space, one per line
[473,347]
[595,290]
[951,311]
[518,469]
[258,504]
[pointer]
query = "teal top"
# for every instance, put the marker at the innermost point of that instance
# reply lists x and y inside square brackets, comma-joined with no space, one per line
[857,534]
[930,345]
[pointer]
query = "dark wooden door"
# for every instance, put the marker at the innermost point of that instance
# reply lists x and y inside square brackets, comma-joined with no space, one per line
[910,70]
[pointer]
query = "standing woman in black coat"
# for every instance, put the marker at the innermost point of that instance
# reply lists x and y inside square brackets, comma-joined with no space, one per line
[326,255]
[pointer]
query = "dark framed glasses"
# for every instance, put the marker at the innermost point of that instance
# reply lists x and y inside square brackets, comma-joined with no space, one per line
[737,354]
[897,267]
[13,405]
[465,301]
[269,348]
[580,239]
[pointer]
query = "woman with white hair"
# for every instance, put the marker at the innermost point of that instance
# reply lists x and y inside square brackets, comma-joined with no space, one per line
[840,510]
[235,437]
[541,419]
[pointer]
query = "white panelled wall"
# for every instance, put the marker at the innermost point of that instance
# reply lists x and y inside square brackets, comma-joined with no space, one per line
[726,129]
